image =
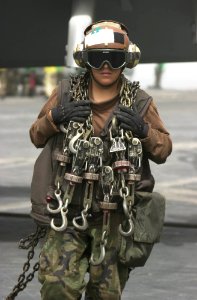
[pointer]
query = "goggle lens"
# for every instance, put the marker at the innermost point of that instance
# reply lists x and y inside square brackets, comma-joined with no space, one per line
[96,59]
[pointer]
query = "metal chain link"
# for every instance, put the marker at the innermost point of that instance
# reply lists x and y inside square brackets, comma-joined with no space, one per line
[128,91]
[24,278]
[79,90]
[79,86]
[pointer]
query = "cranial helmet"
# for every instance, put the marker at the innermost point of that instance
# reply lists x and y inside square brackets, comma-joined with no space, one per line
[106,41]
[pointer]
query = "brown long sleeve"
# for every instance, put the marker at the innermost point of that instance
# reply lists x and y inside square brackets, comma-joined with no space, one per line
[43,128]
[158,143]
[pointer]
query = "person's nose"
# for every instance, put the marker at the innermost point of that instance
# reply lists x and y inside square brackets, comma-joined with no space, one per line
[106,65]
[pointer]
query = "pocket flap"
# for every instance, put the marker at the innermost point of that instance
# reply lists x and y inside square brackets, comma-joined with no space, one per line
[150,212]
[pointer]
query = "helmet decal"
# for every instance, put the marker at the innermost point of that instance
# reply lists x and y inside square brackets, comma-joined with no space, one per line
[99,36]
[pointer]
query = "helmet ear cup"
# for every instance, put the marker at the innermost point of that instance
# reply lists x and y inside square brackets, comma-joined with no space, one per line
[132,56]
[78,55]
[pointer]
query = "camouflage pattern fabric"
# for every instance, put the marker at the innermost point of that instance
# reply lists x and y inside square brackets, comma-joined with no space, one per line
[64,261]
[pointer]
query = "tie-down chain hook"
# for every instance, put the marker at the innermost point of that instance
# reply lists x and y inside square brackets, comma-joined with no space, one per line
[63,211]
[127,212]
[60,203]
[83,219]
[100,259]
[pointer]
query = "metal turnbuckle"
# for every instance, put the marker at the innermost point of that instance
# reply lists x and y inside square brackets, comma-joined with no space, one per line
[118,144]
[135,153]
[81,156]
[107,179]
[94,161]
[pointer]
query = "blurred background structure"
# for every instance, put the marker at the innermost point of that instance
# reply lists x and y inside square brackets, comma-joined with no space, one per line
[37,41]
[38,38]
[35,33]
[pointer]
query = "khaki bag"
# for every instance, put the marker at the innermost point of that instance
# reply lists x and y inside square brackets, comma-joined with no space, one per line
[42,176]
[149,218]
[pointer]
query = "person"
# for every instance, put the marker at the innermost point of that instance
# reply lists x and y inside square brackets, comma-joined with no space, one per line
[32,83]
[159,70]
[104,215]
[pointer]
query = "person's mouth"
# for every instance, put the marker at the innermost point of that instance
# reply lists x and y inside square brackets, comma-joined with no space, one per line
[105,73]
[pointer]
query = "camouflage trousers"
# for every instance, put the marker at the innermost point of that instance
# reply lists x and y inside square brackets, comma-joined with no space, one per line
[64,262]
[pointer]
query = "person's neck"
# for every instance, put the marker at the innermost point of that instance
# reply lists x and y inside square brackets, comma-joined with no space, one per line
[100,93]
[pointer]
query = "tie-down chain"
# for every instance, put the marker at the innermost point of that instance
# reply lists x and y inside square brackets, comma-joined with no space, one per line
[107,179]
[86,157]
[125,171]
[93,165]
[67,155]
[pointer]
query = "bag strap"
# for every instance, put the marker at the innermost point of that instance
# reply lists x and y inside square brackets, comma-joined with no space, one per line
[143,101]
[145,107]
[63,93]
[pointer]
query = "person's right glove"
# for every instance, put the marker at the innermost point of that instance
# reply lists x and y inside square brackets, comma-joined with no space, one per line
[77,111]
[131,120]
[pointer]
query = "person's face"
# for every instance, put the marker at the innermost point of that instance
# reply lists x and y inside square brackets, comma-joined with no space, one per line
[106,76]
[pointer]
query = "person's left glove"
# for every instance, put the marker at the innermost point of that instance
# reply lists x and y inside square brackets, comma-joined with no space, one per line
[130,119]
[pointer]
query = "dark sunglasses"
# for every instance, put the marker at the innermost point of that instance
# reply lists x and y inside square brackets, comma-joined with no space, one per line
[96,58]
